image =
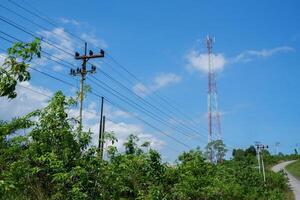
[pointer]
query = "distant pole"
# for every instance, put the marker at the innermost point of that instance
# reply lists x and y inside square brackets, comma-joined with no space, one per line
[100,125]
[102,139]
[258,156]
[82,72]
[263,168]
[277,146]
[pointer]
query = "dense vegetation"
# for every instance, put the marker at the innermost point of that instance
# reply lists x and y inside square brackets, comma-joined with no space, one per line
[294,169]
[53,160]
[46,155]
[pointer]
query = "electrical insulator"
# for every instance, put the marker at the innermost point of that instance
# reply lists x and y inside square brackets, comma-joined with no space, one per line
[102,52]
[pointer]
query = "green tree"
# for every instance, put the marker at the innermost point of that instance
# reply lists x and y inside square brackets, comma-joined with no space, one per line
[15,66]
[216,150]
[238,154]
[251,151]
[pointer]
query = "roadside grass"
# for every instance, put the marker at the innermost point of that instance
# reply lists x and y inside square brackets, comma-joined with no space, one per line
[294,169]
[290,195]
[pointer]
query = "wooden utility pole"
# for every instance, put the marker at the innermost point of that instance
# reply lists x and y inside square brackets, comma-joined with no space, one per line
[101,124]
[102,138]
[82,72]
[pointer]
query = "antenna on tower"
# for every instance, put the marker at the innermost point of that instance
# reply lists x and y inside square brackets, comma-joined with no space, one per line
[214,118]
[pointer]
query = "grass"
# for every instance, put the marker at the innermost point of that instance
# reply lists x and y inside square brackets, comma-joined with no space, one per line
[294,169]
[289,195]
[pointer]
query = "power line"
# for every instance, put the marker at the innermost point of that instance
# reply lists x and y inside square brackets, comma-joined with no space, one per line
[134,104]
[149,113]
[130,103]
[145,102]
[33,22]
[159,130]
[58,47]
[63,80]
[35,91]
[142,99]
[137,106]
[126,99]
[121,66]
[166,123]
[46,95]
[66,62]
[41,17]
[166,102]
[117,105]
[107,85]
[23,29]
[111,102]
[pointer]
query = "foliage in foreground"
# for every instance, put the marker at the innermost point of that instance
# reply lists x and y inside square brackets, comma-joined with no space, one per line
[15,66]
[53,160]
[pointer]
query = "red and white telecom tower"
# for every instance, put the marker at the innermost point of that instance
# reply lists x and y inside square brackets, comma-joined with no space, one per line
[214,121]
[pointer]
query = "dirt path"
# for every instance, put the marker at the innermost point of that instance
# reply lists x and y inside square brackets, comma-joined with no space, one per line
[294,183]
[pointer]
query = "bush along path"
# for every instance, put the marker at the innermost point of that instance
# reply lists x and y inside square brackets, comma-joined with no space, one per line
[293,181]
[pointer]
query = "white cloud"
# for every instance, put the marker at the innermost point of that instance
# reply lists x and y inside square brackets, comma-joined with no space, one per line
[57,68]
[60,37]
[2,58]
[163,80]
[62,41]
[199,61]
[141,89]
[249,55]
[25,102]
[89,34]
[70,21]
[160,81]
[120,114]
[92,39]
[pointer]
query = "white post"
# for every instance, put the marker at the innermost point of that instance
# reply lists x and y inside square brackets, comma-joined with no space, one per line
[258,160]
[263,168]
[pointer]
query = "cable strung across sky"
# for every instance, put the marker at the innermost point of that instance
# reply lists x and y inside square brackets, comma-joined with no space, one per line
[173,110]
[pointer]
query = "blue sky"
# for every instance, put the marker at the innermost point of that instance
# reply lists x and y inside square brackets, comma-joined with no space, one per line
[256,50]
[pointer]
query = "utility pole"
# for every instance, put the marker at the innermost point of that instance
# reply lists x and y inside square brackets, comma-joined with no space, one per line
[102,139]
[259,149]
[101,124]
[263,168]
[82,72]
[257,144]
[277,146]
